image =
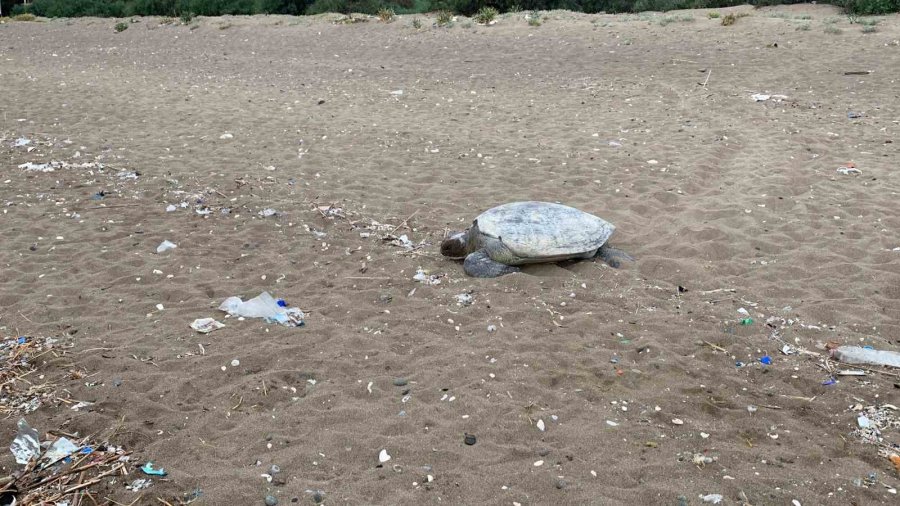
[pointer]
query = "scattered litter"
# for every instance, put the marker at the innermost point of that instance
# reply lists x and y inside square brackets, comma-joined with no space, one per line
[383,456]
[165,246]
[206,325]
[712,498]
[851,372]
[81,405]
[422,276]
[397,92]
[18,358]
[540,425]
[26,445]
[743,312]
[21,141]
[848,171]
[138,484]
[854,115]
[226,136]
[858,355]
[171,208]
[265,213]
[148,469]
[263,306]
[765,360]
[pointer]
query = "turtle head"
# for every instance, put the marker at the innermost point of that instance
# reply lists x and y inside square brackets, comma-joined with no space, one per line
[456,245]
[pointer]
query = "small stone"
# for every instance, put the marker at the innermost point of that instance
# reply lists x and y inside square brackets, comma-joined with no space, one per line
[117,382]
[540,425]
[470,439]
[400,382]
[678,421]
[543,452]
[492,328]
[383,456]
[274,469]
[561,484]
[318,496]
[271,500]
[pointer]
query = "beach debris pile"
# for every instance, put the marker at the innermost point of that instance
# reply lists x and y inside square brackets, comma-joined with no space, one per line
[60,469]
[18,359]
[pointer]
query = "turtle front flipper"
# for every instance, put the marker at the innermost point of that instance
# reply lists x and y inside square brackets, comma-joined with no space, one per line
[613,257]
[480,265]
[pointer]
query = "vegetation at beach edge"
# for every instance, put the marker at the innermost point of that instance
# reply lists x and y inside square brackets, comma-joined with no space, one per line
[190,8]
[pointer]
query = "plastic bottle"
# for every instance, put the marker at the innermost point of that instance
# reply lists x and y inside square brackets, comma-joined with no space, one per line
[858,355]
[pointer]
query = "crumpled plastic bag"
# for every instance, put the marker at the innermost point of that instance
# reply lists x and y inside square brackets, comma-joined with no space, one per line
[27,443]
[60,449]
[263,306]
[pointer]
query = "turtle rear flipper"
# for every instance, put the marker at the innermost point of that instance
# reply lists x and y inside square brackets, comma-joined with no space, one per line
[613,257]
[480,265]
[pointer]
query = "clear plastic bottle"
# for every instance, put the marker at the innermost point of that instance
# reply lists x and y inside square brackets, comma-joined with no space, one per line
[858,355]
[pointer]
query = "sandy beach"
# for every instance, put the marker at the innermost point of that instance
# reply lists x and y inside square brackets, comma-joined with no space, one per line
[594,385]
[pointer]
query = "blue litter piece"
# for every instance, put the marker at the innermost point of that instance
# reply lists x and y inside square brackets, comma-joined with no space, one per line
[829,381]
[867,347]
[21,340]
[739,364]
[148,469]
[86,450]
[281,303]
[766,360]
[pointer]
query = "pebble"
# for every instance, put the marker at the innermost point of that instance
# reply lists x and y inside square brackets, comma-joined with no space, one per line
[383,456]
[678,421]
[274,469]
[561,484]
[271,500]
[400,382]
[492,328]
[318,496]
[470,439]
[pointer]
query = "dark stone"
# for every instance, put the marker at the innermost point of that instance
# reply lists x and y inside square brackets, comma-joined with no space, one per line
[470,439]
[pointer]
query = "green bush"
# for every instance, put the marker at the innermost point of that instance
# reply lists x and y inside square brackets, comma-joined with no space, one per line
[120,27]
[173,8]
[486,14]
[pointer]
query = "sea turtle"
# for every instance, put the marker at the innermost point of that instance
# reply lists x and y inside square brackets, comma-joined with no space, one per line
[530,232]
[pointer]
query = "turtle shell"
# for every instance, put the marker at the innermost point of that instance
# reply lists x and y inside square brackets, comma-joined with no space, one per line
[543,230]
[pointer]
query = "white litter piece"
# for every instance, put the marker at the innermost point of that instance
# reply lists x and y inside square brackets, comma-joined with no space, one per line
[849,171]
[397,92]
[383,456]
[712,498]
[206,325]
[759,97]
[22,141]
[265,213]
[428,279]
[165,246]
[171,208]
[226,136]
[464,299]
[37,167]
[540,425]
